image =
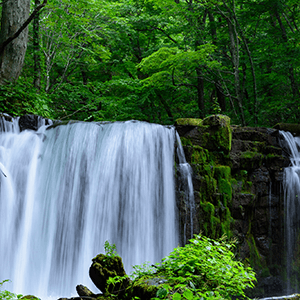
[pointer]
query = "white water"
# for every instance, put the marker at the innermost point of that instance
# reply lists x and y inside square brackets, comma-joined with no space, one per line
[71,188]
[186,174]
[291,185]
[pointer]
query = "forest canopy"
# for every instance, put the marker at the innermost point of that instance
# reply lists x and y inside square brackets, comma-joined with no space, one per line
[159,60]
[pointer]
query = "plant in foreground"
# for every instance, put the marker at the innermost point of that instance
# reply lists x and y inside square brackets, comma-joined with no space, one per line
[204,269]
[6,295]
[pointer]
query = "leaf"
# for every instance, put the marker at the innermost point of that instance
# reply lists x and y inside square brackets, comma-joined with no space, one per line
[188,294]
[161,293]
[176,296]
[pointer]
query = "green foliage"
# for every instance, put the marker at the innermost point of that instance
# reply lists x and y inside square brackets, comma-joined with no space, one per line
[110,249]
[161,60]
[203,269]
[18,99]
[142,270]
[6,295]
[206,267]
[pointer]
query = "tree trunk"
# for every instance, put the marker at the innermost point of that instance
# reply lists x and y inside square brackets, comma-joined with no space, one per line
[200,94]
[14,14]
[234,51]
[36,49]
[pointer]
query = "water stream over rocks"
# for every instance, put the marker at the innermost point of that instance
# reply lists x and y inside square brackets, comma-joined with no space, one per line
[291,185]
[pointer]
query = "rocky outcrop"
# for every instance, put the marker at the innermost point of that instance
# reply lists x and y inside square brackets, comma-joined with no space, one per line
[237,188]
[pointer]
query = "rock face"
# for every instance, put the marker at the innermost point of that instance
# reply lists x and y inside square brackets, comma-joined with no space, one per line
[237,176]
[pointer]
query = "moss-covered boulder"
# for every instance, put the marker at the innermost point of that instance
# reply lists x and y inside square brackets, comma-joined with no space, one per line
[292,128]
[29,297]
[219,134]
[212,133]
[103,267]
[145,288]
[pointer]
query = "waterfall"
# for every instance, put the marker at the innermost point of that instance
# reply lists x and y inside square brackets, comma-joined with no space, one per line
[185,171]
[291,185]
[66,190]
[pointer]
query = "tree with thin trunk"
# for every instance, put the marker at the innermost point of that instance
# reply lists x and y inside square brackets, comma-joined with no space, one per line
[13,37]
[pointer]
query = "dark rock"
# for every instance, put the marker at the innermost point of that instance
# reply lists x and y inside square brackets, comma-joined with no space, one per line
[31,122]
[103,267]
[6,117]
[243,199]
[294,129]
[263,244]
[84,291]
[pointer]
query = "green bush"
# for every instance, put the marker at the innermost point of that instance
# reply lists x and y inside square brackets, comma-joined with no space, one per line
[204,269]
[6,295]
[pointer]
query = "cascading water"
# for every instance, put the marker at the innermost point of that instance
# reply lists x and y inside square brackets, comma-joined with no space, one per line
[186,177]
[70,188]
[291,185]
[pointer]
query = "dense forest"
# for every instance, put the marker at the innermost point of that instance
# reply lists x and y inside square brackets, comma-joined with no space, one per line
[158,60]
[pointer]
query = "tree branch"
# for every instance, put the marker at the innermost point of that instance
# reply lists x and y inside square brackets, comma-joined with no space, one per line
[25,24]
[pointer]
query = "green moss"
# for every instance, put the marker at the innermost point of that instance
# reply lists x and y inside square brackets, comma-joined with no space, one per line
[220,133]
[210,223]
[208,187]
[224,187]
[223,177]
[293,128]
[226,223]
[209,155]
[186,141]
[222,172]
[250,160]
[199,155]
[256,260]
[189,121]
[142,289]
[248,154]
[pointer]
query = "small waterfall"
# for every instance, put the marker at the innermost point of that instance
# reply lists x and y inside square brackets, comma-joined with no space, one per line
[70,188]
[291,185]
[186,177]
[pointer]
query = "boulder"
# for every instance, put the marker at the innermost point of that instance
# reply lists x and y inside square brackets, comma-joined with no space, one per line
[103,267]
[83,291]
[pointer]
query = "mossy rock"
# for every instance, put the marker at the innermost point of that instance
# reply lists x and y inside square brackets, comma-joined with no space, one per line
[144,288]
[102,297]
[222,172]
[223,177]
[189,122]
[213,133]
[292,128]
[250,160]
[103,267]
[219,134]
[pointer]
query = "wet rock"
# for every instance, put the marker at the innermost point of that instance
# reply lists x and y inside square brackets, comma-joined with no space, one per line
[31,122]
[84,291]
